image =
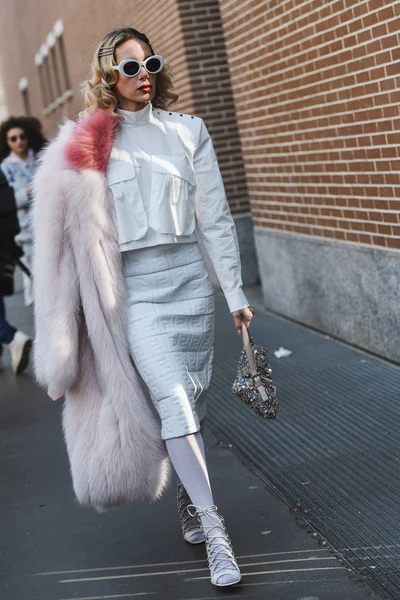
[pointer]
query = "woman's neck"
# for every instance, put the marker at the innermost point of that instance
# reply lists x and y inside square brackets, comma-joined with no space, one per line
[130,105]
[22,155]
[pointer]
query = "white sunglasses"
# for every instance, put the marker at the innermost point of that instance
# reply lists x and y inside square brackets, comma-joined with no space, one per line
[131,67]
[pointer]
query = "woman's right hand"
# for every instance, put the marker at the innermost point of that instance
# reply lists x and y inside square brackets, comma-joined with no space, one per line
[243,316]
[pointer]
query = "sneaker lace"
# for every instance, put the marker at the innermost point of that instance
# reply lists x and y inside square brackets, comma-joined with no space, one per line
[188,521]
[218,544]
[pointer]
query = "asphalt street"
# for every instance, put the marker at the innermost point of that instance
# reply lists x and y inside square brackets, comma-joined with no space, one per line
[53,549]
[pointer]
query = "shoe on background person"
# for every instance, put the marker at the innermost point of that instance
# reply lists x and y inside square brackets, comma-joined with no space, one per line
[19,344]
[20,348]
[11,253]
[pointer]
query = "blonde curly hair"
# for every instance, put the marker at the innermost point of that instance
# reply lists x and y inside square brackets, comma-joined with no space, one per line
[99,91]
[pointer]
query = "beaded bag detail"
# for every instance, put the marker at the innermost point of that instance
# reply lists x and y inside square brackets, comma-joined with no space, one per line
[253,383]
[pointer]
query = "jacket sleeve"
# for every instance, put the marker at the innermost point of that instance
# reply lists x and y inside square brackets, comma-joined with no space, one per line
[215,225]
[21,198]
[56,292]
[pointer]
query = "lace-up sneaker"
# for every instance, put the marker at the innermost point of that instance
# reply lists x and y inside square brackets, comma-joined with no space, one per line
[191,528]
[224,569]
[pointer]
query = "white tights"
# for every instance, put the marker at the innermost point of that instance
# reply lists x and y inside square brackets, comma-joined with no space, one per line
[188,457]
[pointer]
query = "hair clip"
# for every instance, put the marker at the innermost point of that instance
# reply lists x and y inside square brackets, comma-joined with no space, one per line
[106,51]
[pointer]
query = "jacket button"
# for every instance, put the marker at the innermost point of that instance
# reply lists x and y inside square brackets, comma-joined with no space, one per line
[181,115]
[170,113]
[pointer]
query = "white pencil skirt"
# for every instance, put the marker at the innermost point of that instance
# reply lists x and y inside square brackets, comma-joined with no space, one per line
[171,330]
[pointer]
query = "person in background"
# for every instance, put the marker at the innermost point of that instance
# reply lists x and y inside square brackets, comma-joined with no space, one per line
[18,342]
[20,141]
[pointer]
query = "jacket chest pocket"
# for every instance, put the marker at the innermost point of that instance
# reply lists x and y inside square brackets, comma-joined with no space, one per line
[131,215]
[173,187]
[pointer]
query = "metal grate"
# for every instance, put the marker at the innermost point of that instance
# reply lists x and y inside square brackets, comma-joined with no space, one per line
[333,452]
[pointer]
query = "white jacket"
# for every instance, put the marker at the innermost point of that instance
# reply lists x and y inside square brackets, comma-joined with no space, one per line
[167,188]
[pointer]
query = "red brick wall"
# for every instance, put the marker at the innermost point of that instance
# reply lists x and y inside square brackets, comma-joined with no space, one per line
[301,97]
[316,89]
[211,89]
[84,25]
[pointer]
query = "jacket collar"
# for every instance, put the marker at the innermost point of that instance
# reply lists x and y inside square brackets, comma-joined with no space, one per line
[136,118]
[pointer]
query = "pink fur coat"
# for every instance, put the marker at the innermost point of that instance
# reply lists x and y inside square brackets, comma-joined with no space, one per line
[112,434]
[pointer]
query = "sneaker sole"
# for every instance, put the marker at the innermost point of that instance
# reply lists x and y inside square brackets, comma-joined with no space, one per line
[24,360]
[194,543]
[227,584]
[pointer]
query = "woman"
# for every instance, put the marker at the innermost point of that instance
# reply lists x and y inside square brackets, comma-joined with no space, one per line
[122,198]
[19,144]
[19,344]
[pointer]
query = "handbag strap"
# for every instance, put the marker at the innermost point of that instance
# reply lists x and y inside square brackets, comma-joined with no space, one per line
[249,351]
[252,364]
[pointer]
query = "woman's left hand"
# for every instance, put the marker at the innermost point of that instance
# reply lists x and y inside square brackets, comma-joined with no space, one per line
[242,316]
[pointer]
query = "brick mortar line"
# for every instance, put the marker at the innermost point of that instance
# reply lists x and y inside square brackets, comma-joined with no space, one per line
[321,222]
[247,139]
[322,226]
[387,211]
[295,132]
[270,211]
[354,185]
[251,168]
[358,224]
[319,151]
[331,196]
[323,128]
[317,162]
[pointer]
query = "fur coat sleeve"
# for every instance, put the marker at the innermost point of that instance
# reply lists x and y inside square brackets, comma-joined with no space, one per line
[112,434]
[56,290]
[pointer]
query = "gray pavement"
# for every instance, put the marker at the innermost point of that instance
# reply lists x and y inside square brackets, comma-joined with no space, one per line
[52,549]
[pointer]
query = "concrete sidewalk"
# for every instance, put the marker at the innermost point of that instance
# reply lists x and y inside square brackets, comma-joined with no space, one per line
[52,549]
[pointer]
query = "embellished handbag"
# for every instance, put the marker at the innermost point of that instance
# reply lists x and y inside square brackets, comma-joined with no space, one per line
[253,383]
